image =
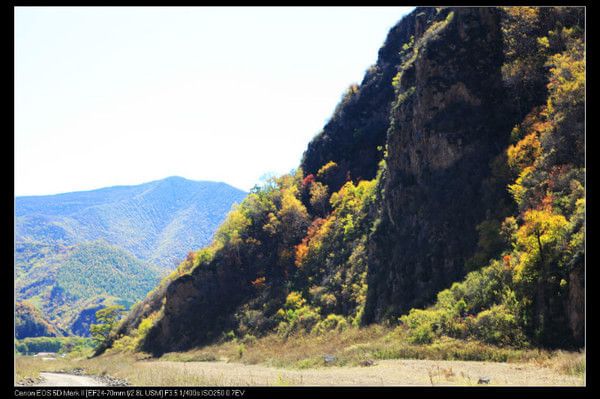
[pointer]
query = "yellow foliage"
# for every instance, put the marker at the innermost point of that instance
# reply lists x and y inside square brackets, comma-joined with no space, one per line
[529,14]
[130,343]
[294,300]
[147,324]
[525,152]
[517,189]
[272,224]
[293,214]
[230,231]
[327,169]
[319,195]
[567,79]
[540,234]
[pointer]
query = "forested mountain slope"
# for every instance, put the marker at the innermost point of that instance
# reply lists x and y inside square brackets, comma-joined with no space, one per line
[29,322]
[77,252]
[452,178]
[70,284]
[157,221]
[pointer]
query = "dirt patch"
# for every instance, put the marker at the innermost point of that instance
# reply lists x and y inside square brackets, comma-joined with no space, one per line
[67,380]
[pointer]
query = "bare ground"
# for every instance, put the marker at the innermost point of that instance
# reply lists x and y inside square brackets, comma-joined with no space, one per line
[67,380]
[126,370]
[382,373]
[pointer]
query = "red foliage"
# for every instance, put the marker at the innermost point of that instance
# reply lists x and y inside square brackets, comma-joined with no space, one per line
[308,180]
[547,202]
[259,282]
[506,260]
[302,248]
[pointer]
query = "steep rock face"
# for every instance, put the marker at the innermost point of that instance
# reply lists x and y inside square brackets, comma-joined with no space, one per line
[576,304]
[446,128]
[191,316]
[359,124]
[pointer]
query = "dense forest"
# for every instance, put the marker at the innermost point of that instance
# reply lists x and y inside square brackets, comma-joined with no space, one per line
[69,287]
[446,194]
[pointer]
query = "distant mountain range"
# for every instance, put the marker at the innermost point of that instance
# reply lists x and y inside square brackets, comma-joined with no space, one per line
[76,252]
[158,222]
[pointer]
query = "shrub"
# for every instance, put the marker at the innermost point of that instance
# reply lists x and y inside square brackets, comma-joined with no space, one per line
[229,336]
[297,316]
[498,326]
[248,339]
[327,170]
[483,307]
[422,325]
[307,319]
[332,322]
[126,343]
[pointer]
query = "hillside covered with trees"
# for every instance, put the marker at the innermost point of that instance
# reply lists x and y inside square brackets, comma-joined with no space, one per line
[446,196]
[29,322]
[152,221]
[78,252]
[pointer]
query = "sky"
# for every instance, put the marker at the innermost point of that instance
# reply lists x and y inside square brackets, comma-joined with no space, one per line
[109,96]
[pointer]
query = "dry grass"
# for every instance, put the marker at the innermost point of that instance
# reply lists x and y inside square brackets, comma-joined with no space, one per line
[351,348]
[30,367]
[568,363]
[299,351]
[382,373]
[131,368]
[299,360]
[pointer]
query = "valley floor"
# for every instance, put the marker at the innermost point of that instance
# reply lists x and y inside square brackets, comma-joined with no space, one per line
[382,373]
[374,356]
[398,372]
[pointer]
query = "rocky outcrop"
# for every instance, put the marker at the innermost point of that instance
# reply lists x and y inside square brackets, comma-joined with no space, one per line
[198,307]
[447,126]
[360,123]
[576,303]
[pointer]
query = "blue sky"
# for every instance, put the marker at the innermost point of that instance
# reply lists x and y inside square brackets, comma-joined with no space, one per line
[110,96]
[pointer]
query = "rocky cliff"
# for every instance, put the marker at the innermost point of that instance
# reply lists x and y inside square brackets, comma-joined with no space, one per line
[358,128]
[447,126]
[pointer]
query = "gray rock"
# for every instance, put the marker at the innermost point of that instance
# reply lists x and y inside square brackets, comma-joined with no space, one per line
[328,359]
[367,363]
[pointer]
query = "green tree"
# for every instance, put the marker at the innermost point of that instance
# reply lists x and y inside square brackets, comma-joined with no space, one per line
[106,319]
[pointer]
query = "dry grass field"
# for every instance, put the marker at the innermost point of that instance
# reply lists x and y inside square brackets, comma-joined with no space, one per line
[356,357]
